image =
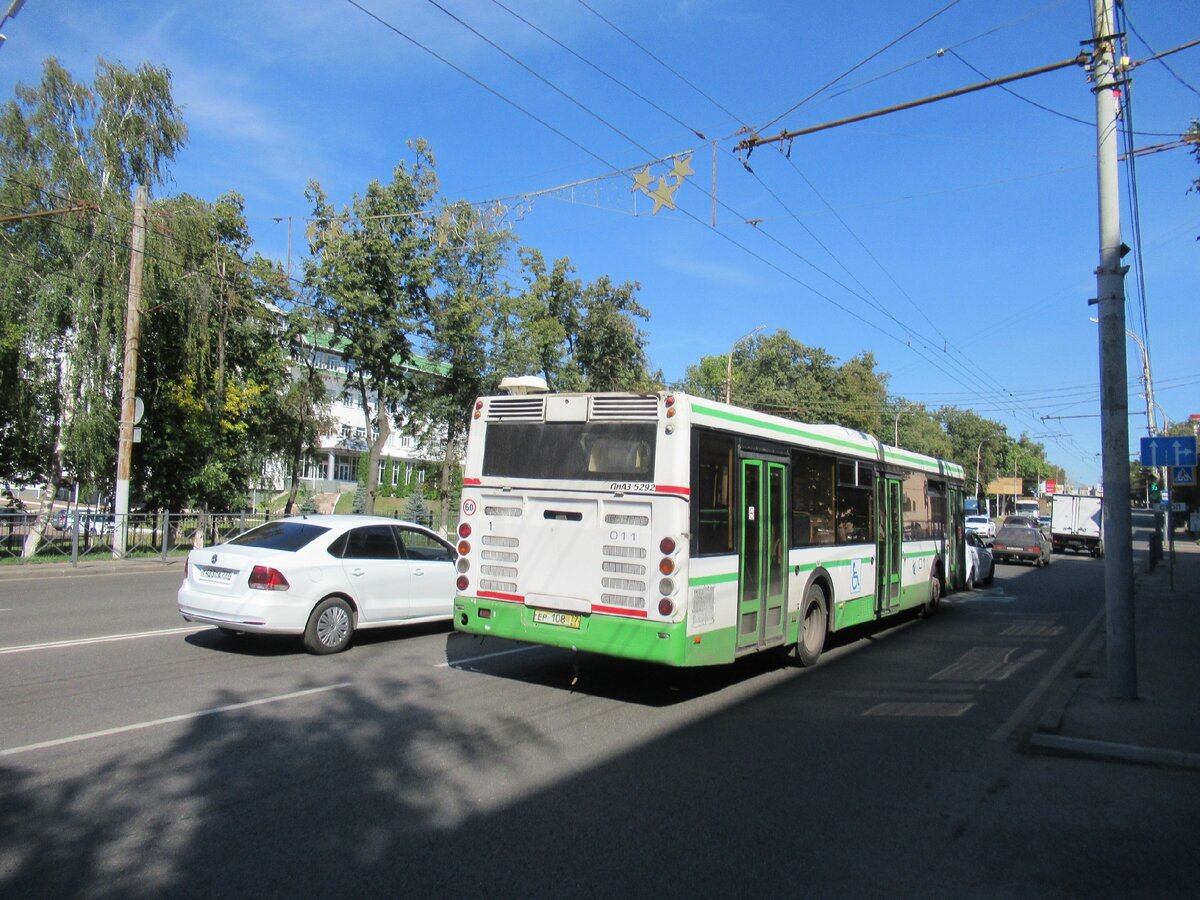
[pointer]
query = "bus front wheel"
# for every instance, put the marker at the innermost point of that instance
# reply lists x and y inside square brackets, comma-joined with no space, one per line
[814,623]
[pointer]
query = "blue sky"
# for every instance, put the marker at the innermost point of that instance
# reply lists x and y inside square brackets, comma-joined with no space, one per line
[956,242]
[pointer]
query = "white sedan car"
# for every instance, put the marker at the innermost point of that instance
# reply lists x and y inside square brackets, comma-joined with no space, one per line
[981,525]
[321,576]
[981,567]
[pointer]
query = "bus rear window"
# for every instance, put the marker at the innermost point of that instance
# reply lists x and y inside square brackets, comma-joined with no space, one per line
[571,451]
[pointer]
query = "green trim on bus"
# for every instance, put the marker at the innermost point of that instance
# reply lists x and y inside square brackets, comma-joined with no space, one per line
[864,447]
[928,464]
[704,580]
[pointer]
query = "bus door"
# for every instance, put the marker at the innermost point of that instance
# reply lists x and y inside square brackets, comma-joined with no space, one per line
[955,546]
[762,562]
[891,535]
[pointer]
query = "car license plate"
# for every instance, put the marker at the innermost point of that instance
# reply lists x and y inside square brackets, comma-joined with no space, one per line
[545,617]
[222,576]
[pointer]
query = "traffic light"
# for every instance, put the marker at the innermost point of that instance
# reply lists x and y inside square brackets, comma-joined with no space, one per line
[1155,491]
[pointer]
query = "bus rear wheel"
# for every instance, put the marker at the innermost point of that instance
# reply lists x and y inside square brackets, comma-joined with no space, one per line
[935,596]
[814,623]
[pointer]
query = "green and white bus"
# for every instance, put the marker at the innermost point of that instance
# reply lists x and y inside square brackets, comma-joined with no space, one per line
[684,531]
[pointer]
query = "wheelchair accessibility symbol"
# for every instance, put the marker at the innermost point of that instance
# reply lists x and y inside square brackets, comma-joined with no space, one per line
[855,577]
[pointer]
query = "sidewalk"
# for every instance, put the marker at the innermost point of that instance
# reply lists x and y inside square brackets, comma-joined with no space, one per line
[1162,726]
[91,565]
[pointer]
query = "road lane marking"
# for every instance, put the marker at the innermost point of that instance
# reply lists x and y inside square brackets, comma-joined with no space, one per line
[471,659]
[1071,653]
[80,642]
[184,717]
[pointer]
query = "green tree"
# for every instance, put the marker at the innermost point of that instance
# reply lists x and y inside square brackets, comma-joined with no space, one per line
[215,371]
[610,348]
[65,144]
[371,268]
[778,374]
[469,323]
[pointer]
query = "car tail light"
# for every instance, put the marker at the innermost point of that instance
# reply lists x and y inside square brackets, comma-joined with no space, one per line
[265,578]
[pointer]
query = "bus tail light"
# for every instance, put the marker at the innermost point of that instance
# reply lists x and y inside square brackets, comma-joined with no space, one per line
[666,565]
[665,606]
[464,547]
[462,583]
[666,586]
[464,530]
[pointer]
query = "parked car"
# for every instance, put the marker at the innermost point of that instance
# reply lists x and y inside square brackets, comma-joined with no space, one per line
[97,522]
[322,577]
[1021,542]
[980,525]
[981,567]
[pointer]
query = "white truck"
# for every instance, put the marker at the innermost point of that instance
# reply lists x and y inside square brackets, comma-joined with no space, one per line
[1077,522]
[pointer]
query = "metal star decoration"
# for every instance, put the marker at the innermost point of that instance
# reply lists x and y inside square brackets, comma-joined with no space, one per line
[664,195]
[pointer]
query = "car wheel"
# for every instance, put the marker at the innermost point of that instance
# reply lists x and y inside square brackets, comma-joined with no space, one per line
[814,621]
[330,627]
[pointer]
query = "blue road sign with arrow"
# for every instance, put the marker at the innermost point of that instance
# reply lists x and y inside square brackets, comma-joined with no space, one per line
[1172,450]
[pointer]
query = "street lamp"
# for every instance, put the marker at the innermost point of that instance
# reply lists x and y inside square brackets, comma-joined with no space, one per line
[1147,385]
[896,427]
[729,361]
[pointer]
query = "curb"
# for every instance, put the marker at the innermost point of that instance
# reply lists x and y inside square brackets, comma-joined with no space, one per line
[1106,751]
[66,570]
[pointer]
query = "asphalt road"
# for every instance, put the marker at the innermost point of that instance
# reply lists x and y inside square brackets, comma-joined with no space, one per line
[141,756]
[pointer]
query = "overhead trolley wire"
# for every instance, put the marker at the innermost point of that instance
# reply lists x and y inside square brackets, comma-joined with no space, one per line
[933,360]
[662,63]
[858,65]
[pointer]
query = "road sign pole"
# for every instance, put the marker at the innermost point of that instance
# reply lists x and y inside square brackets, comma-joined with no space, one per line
[1170,529]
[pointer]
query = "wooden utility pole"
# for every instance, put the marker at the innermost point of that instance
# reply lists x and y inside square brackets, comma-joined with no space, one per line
[133,334]
[1114,400]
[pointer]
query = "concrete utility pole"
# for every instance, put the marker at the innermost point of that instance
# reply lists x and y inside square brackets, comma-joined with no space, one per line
[1114,402]
[133,336]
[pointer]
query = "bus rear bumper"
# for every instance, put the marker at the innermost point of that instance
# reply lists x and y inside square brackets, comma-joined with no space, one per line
[611,635]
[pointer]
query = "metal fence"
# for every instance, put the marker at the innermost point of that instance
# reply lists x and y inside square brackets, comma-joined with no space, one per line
[79,533]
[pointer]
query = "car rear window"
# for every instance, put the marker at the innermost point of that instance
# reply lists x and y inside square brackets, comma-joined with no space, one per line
[280,535]
[1016,534]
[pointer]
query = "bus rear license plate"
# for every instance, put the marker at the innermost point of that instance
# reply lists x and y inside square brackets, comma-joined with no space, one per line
[545,617]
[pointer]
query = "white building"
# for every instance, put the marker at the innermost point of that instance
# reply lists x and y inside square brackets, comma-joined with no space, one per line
[335,467]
